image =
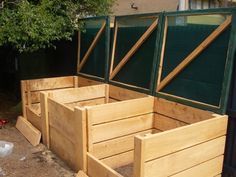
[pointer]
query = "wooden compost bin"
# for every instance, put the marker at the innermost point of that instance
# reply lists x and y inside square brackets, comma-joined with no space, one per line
[178,141]
[96,36]
[66,113]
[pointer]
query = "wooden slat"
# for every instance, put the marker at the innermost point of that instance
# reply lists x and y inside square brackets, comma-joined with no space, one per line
[51,83]
[181,112]
[79,94]
[207,169]
[62,118]
[195,53]
[82,81]
[183,160]
[114,48]
[98,169]
[34,118]
[180,138]
[120,110]
[115,129]
[92,102]
[165,123]
[219,175]
[162,51]
[119,93]
[28,130]
[92,46]
[132,51]
[23,97]
[116,146]
[64,148]
[119,160]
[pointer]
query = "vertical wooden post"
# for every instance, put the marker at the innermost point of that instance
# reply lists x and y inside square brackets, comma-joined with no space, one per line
[44,118]
[75,81]
[81,141]
[23,97]
[139,154]
[107,93]
[28,93]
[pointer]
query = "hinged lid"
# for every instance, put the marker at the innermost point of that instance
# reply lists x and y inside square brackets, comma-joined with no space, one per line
[195,62]
[93,48]
[135,44]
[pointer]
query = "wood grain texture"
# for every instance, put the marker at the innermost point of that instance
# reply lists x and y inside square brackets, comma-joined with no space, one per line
[98,169]
[34,118]
[185,159]
[79,94]
[28,130]
[116,146]
[181,138]
[164,123]
[119,93]
[116,129]
[181,112]
[207,169]
[120,110]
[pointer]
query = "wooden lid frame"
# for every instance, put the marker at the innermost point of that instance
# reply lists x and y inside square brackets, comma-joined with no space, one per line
[161,83]
[153,28]
[81,60]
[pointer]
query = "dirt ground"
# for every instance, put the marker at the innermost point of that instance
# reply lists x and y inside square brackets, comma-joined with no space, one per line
[26,160]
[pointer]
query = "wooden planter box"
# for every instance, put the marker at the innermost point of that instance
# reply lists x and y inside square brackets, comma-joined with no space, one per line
[93,129]
[184,142]
[65,116]
[30,91]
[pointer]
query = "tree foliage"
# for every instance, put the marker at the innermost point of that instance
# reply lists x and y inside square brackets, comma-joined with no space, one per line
[29,25]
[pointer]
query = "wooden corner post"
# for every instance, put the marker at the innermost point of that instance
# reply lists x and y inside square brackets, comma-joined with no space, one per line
[44,117]
[139,157]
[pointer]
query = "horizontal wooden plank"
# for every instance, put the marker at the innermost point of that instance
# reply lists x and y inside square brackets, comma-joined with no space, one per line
[181,112]
[82,81]
[185,159]
[28,130]
[165,123]
[119,160]
[120,110]
[119,93]
[98,169]
[177,139]
[51,83]
[120,128]
[63,119]
[64,148]
[92,102]
[207,169]
[115,146]
[79,94]
[34,118]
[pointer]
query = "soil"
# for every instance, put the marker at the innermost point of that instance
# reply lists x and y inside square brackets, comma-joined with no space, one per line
[26,160]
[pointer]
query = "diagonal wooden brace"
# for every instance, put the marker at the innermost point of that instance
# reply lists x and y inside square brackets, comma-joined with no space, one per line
[136,46]
[195,53]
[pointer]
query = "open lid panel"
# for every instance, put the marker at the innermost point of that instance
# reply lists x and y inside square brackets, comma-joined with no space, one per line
[134,49]
[93,48]
[196,58]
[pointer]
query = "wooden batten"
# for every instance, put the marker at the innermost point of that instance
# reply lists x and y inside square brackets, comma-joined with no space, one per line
[79,94]
[180,112]
[183,160]
[184,137]
[28,130]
